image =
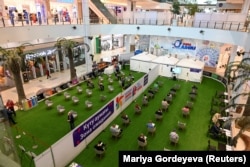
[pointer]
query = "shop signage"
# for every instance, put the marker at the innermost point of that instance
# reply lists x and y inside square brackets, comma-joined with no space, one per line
[66,1]
[179,44]
[40,54]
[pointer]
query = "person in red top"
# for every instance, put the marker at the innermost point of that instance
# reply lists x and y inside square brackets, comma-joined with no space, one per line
[10,105]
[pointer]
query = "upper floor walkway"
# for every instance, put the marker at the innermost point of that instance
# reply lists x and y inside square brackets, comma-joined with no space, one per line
[186,21]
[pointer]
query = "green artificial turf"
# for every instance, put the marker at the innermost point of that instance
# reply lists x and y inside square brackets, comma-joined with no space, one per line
[194,137]
[43,127]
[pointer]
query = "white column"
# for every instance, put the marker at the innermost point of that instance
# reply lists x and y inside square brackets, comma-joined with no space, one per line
[54,66]
[33,69]
[233,53]
[131,6]
[86,34]
[47,63]
[127,44]
[41,69]
[57,62]
[245,6]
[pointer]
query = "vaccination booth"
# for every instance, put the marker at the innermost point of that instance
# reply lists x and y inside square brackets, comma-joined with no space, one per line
[142,62]
[189,69]
[166,64]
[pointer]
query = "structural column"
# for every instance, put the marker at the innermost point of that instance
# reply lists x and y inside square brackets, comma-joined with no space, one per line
[233,53]
[86,34]
[245,6]
[131,6]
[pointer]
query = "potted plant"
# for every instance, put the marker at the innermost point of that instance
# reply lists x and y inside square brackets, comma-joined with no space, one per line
[175,9]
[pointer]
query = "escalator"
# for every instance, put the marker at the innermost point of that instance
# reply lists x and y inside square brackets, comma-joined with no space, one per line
[102,12]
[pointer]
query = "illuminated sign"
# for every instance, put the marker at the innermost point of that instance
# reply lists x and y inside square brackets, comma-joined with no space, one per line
[179,44]
[40,54]
[66,1]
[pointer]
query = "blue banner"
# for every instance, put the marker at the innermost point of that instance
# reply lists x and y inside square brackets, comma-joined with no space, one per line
[92,124]
[195,70]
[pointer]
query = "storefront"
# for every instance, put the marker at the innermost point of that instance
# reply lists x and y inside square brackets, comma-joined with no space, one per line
[50,59]
[39,10]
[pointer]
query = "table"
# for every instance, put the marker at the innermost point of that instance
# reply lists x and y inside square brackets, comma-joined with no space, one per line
[109,70]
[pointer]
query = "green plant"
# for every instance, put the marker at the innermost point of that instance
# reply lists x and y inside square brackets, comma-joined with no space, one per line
[175,9]
[192,9]
[13,60]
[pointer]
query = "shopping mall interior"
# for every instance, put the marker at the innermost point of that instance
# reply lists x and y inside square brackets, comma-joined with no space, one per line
[107,31]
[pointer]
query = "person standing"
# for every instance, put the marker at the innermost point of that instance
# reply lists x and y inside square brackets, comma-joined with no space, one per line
[71,120]
[9,113]
[10,105]
[48,74]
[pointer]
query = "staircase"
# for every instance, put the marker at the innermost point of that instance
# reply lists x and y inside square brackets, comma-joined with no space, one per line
[102,12]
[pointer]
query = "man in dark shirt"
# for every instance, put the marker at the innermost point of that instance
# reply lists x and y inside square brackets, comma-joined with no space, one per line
[71,120]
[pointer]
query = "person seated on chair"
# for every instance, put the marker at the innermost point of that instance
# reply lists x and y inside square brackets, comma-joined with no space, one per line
[216,117]
[101,86]
[193,92]
[125,117]
[169,95]
[145,97]
[228,122]
[132,78]
[117,68]
[164,102]
[185,109]
[150,124]
[90,83]
[216,130]
[137,107]
[174,135]
[94,72]
[151,91]
[156,86]
[115,129]
[118,75]
[100,146]
[194,87]
[142,138]
[159,112]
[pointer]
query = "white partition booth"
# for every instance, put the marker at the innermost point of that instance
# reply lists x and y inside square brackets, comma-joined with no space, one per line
[142,62]
[190,70]
[166,65]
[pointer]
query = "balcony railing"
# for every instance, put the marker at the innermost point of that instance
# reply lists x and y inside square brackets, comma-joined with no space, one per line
[231,26]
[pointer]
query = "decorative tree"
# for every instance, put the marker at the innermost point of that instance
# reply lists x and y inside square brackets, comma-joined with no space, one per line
[13,60]
[239,72]
[192,9]
[175,9]
[67,46]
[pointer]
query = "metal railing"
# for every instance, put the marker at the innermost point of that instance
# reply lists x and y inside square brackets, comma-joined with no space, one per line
[231,26]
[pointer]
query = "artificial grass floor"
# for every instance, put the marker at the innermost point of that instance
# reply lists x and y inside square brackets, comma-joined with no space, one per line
[194,137]
[43,127]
